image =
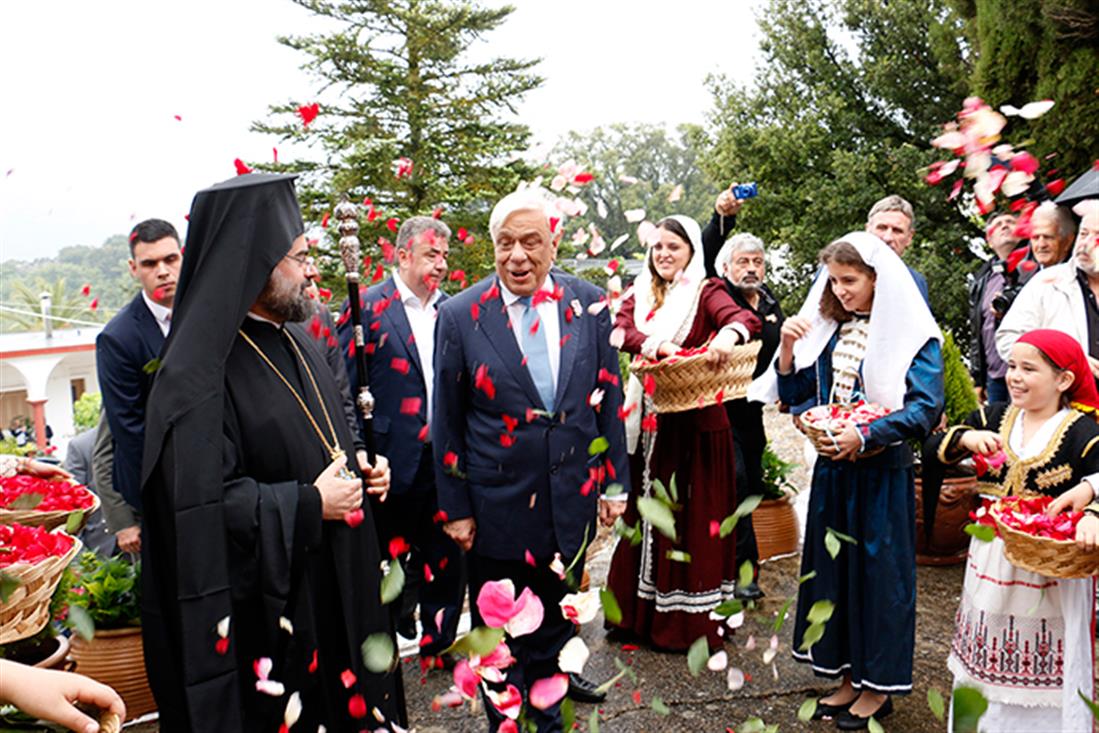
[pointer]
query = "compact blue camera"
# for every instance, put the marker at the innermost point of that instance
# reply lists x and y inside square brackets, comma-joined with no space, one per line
[746,190]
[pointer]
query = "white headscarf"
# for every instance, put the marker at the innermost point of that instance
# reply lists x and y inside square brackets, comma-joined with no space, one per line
[673,320]
[900,324]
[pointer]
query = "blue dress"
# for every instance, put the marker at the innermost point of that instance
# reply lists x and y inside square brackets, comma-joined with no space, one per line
[871,634]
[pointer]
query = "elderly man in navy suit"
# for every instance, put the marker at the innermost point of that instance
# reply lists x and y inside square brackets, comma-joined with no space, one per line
[399,327]
[521,360]
[126,351]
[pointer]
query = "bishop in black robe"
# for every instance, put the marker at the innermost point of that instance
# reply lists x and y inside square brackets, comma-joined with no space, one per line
[234,521]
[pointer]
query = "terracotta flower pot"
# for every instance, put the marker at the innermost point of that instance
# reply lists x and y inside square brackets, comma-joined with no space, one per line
[46,652]
[116,657]
[949,543]
[776,527]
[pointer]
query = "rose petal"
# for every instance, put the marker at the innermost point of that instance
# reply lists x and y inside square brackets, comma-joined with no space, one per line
[548,692]
[527,615]
[496,602]
[573,656]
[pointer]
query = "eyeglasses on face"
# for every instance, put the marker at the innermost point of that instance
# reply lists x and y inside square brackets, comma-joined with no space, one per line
[304,259]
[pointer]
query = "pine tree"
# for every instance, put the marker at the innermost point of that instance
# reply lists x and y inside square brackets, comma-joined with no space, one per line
[396,82]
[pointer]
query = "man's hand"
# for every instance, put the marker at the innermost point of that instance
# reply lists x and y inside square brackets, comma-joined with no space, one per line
[982,397]
[129,539]
[338,495]
[462,531]
[727,204]
[377,478]
[610,510]
[51,695]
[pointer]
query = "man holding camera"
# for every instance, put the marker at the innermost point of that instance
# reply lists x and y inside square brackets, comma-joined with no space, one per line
[990,295]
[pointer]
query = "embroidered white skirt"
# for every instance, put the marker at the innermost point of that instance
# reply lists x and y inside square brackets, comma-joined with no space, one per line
[1026,641]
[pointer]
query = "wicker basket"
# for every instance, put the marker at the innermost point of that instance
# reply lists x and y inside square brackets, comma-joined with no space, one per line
[49,520]
[1052,558]
[823,441]
[27,610]
[690,382]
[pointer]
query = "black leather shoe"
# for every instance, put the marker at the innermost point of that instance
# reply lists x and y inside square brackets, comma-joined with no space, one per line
[849,721]
[824,710]
[406,627]
[750,592]
[582,690]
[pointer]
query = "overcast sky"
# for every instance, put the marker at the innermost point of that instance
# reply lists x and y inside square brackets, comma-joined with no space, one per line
[89,143]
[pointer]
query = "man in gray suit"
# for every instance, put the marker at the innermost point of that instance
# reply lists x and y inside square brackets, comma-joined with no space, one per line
[78,462]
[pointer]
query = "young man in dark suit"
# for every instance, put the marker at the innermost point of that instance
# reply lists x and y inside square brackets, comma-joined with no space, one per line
[517,359]
[399,330]
[126,353]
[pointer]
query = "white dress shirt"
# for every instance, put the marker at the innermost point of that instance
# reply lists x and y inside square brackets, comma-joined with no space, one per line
[421,318]
[548,318]
[162,315]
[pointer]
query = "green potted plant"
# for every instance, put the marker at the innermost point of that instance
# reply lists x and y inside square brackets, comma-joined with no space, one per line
[104,612]
[775,522]
[948,542]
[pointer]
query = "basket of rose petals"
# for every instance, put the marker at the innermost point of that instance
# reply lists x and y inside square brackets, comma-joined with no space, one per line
[1042,544]
[34,558]
[687,380]
[823,423]
[40,502]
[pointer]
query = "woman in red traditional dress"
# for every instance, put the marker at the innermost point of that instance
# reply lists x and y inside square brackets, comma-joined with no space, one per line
[667,587]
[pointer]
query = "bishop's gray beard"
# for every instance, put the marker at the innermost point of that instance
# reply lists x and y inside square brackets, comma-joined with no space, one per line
[286,299]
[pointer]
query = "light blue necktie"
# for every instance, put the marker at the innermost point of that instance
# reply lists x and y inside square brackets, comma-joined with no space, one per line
[537,353]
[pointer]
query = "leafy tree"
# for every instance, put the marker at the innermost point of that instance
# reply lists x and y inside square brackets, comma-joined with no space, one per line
[1041,49]
[850,94]
[395,82]
[637,166]
[86,411]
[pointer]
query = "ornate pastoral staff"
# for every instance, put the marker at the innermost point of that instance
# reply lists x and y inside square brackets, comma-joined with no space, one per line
[347,214]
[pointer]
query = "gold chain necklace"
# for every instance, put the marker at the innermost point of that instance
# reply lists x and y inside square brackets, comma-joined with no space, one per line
[333,446]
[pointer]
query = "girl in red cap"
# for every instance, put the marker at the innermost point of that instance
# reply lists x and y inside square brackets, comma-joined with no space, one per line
[1023,639]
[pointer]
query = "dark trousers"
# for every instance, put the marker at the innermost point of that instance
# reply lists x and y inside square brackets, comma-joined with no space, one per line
[535,653]
[749,441]
[411,515]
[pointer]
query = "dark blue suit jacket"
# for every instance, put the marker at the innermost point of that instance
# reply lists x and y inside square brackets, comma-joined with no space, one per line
[122,350]
[528,488]
[389,336]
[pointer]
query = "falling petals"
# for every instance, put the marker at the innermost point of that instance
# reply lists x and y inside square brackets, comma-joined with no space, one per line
[308,113]
[734,679]
[242,169]
[581,608]
[286,625]
[86,290]
[573,656]
[354,517]
[399,364]
[347,677]
[293,710]
[508,703]
[411,405]
[465,679]
[546,693]
[356,706]
[1029,111]
[633,216]
[483,382]
[398,546]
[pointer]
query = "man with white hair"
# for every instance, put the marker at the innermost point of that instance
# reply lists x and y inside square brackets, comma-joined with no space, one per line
[527,435]
[1051,233]
[1063,296]
[742,263]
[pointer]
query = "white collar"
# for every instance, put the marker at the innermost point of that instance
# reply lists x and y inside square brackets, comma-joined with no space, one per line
[407,294]
[511,298]
[159,312]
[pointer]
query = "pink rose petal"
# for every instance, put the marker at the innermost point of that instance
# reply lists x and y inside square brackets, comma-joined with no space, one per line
[548,692]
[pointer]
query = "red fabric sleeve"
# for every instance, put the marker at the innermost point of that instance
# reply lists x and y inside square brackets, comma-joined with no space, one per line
[721,309]
[631,344]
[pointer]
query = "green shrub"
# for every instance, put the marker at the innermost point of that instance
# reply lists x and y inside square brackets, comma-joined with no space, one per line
[86,411]
[103,594]
[961,396]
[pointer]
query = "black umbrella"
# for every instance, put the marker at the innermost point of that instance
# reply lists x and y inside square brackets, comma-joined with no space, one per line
[1084,187]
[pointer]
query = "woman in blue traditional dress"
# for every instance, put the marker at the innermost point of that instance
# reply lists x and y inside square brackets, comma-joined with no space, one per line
[848,343]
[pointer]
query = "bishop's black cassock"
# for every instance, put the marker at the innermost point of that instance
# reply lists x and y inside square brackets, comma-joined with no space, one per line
[233,523]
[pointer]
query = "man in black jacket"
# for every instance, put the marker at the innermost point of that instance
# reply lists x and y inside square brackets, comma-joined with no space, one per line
[990,295]
[742,263]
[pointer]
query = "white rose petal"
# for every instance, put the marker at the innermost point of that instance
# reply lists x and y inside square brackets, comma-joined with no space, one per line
[574,655]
